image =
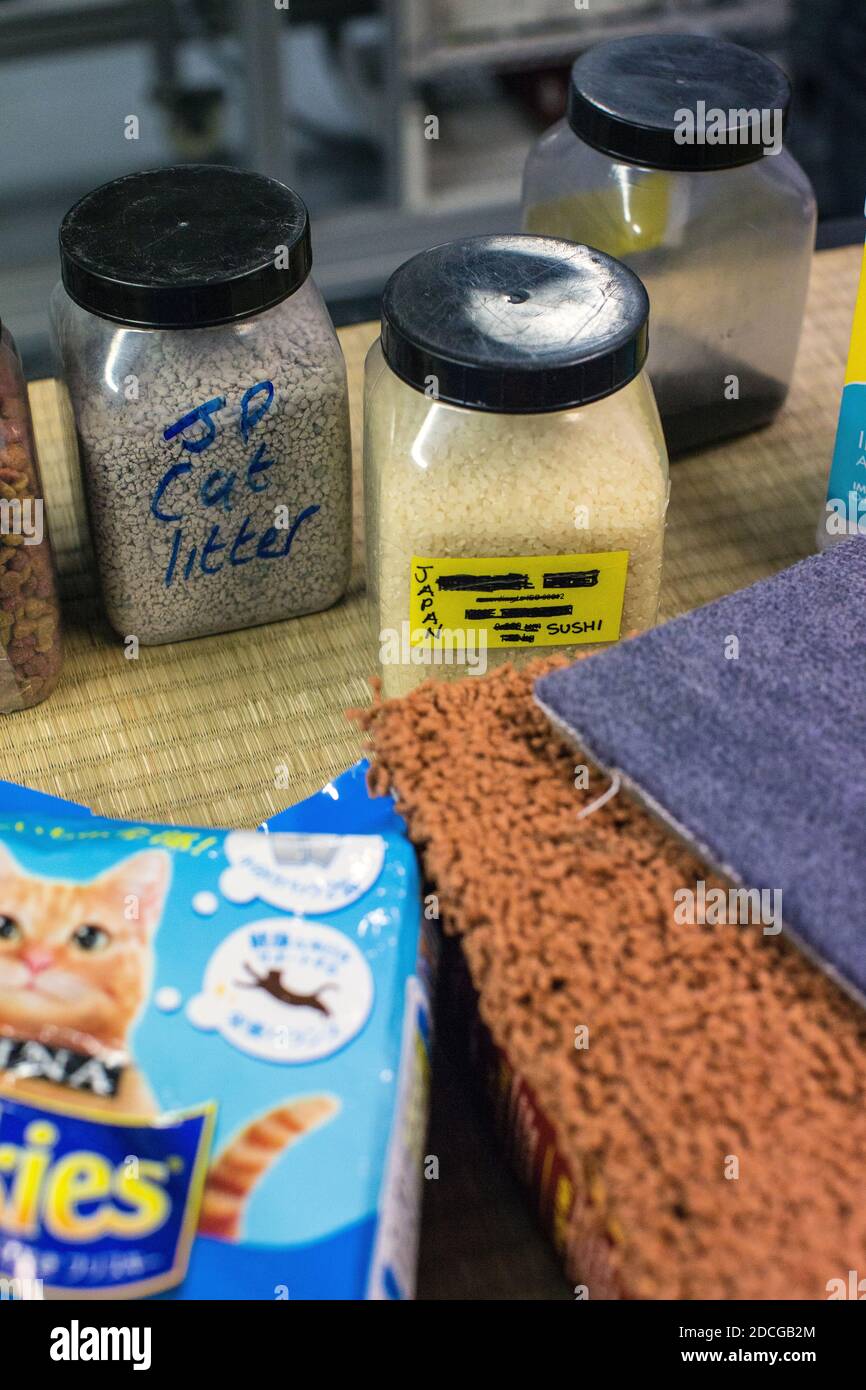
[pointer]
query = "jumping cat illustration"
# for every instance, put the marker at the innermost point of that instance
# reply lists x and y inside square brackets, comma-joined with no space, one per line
[272,984]
[76,967]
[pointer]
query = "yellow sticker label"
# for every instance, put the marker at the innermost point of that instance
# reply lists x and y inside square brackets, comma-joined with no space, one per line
[517,601]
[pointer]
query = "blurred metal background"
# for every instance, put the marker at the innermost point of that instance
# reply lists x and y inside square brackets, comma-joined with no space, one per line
[401,122]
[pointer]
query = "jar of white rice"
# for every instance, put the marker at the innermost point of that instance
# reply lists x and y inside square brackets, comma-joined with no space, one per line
[516,477]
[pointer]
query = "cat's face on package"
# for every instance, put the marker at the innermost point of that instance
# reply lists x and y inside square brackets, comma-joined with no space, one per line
[76,958]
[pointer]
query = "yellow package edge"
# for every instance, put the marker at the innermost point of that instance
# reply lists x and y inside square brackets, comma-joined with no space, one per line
[856,369]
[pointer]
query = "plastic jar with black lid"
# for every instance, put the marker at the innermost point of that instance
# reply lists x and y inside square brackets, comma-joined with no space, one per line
[516,477]
[671,159]
[210,398]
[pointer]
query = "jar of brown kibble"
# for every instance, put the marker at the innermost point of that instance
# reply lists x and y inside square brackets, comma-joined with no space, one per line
[30,647]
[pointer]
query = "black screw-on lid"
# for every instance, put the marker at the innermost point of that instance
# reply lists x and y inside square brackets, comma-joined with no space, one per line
[185,247]
[625,95]
[515,324]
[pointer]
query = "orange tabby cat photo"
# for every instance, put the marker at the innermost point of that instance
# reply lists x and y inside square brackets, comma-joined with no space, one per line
[76,969]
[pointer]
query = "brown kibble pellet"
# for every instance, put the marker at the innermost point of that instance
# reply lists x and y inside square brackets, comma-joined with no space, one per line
[46,635]
[13,408]
[14,456]
[36,666]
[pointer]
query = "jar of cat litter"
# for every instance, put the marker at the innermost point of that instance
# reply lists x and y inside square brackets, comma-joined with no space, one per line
[516,477]
[30,646]
[209,393]
[670,158]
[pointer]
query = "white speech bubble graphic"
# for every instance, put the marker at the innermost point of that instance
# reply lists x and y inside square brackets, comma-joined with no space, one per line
[285,990]
[301,873]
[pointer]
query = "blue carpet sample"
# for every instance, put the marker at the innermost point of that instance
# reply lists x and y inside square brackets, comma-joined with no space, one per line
[743,724]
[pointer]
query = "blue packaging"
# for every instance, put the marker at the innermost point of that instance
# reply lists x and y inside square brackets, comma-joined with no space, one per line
[845,507]
[213,1060]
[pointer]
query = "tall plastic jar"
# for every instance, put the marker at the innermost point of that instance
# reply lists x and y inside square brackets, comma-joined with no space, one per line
[671,159]
[516,477]
[31,653]
[209,393]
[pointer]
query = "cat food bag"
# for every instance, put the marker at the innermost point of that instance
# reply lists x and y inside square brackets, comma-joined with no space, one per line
[213,1061]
